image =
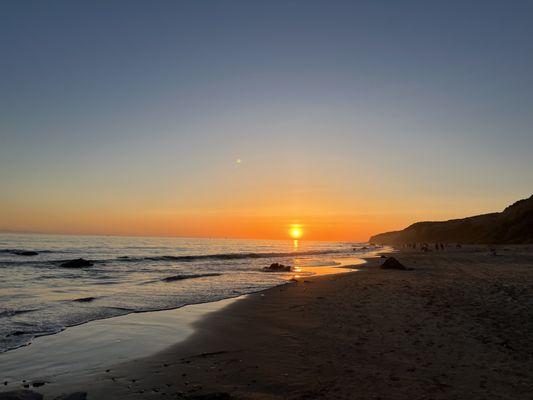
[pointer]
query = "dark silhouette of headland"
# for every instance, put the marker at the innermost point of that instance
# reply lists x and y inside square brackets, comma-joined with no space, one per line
[514,225]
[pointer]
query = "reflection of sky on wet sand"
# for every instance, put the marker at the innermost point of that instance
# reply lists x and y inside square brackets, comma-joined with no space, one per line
[303,268]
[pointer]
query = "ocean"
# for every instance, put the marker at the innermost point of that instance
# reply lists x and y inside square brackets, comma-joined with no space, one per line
[135,274]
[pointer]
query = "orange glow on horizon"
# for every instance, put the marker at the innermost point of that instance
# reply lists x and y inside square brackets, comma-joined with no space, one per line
[250,223]
[340,227]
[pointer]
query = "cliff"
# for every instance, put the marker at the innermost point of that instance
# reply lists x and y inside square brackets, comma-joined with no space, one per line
[512,225]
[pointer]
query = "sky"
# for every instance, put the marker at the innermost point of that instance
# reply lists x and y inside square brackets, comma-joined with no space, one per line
[240,118]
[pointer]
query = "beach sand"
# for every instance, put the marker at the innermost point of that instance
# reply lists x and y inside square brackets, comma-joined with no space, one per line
[457,326]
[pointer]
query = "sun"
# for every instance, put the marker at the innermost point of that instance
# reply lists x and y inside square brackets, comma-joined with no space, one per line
[295,232]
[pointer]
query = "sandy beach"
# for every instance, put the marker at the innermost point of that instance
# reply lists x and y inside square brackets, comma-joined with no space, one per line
[456,326]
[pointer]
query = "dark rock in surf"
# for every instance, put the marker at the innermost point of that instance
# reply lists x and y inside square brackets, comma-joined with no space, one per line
[392,263]
[21,395]
[276,267]
[78,263]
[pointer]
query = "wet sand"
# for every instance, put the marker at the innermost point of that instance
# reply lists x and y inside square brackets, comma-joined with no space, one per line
[68,357]
[456,326]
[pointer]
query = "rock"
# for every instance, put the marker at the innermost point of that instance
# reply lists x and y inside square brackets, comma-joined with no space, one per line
[73,396]
[78,263]
[21,395]
[276,267]
[392,263]
[24,253]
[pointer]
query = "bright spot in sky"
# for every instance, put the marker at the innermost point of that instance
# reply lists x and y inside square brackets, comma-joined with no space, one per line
[239,161]
[295,232]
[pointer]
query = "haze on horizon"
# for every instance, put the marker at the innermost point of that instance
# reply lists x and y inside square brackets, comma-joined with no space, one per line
[238,118]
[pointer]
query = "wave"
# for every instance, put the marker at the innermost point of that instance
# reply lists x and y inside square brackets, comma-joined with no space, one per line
[228,256]
[10,313]
[33,332]
[190,276]
[85,299]
[46,263]
[19,252]
[192,258]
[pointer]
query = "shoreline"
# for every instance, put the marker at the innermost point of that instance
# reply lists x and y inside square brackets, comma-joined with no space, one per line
[86,348]
[110,343]
[456,326]
[25,335]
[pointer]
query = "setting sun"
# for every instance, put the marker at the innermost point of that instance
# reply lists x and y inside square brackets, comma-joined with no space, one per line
[295,232]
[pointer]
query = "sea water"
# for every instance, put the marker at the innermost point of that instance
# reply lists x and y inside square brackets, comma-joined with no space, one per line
[134,274]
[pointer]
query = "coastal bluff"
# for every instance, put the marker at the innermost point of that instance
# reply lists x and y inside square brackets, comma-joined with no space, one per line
[514,225]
